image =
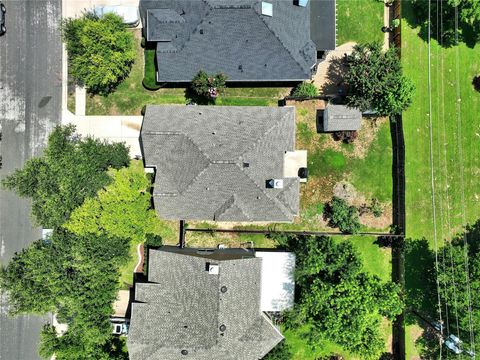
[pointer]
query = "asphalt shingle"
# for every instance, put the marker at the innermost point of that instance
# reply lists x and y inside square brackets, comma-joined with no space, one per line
[184,308]
[213,162]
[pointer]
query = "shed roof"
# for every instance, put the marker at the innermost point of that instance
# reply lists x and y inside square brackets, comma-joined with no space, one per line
[213,162]
[341,118]
[185,308]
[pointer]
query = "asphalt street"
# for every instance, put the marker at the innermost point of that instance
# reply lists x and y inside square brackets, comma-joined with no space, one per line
[30,105]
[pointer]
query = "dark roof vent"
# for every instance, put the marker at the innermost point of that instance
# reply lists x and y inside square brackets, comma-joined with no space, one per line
[201,31]
[223,289]
[223,328]
[240,67]
[184,352]
[246,164]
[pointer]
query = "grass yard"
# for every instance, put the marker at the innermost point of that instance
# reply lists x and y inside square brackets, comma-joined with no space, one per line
[456,141]
[359,21]
[366,164]
[126,271]
[130,96]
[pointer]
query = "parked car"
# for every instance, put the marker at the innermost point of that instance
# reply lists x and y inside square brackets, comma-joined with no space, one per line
[129,14]
[3,28]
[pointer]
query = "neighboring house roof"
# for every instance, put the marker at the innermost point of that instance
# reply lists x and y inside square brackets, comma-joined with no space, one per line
[323,24]
[233,37]
[213,162]
[187,312]
[341,118]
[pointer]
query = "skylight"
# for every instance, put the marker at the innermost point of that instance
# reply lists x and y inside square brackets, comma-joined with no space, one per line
[267,9]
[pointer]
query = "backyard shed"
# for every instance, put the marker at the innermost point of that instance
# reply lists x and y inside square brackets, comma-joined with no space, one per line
[341,118]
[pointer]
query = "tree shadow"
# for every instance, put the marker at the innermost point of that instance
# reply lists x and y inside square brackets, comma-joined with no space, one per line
[420,288]
[442,23]
[334,79]
[194,99]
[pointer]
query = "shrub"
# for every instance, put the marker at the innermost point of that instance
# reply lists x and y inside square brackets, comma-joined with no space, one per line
[343,216]
[100,51]
[476,83]
[376,208]
[208,86]
[305,89]
[347,137]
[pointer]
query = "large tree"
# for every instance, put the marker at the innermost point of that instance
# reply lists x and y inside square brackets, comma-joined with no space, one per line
[375,81]
[75,277]
[337,300]
[450,20]
[70,170]
[122,209]
[100,50]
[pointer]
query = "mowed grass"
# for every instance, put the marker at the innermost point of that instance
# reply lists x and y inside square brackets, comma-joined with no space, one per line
[359,21]
[130,96]
[455,142]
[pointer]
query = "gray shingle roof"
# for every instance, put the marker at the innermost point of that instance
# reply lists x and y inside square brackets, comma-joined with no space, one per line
[341,118]
[323,25]
[213,162]
[182,307]
[233,37]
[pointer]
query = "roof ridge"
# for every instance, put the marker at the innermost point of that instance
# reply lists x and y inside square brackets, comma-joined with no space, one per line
[256,142]
[280,40]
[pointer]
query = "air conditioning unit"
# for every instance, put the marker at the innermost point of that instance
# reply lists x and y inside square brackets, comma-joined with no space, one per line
[213,269]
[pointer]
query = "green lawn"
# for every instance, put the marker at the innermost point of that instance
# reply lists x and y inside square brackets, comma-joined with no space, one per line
[359,21]
[130,96]
[126,270]
[456,140]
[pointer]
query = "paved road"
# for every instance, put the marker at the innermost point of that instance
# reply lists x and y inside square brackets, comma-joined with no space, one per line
[30,105]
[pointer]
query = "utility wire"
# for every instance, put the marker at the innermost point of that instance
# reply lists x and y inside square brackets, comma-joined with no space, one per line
[432,173]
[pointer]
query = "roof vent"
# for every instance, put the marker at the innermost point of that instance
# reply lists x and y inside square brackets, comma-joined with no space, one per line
[246,164]
[302,3]
[213,269]
[223,328]
[223,289]
[267,9]
[275,184]
[184,352]
[240,67]
[201,31]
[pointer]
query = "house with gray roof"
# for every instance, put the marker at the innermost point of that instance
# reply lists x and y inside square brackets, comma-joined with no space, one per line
[341,118]
[247,40]
[202,304]
[222,163]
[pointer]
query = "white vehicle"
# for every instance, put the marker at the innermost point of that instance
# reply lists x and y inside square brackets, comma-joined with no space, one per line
[452,346]
[129,14]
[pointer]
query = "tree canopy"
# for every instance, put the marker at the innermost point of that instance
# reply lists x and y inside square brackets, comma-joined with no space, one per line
[375,81]
[459,281]
[122,209]
[100,50]
[339,301]
[443,15]
[73,276]
[70,170]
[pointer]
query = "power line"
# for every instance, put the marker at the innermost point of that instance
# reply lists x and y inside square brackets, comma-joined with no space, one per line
[432,173]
